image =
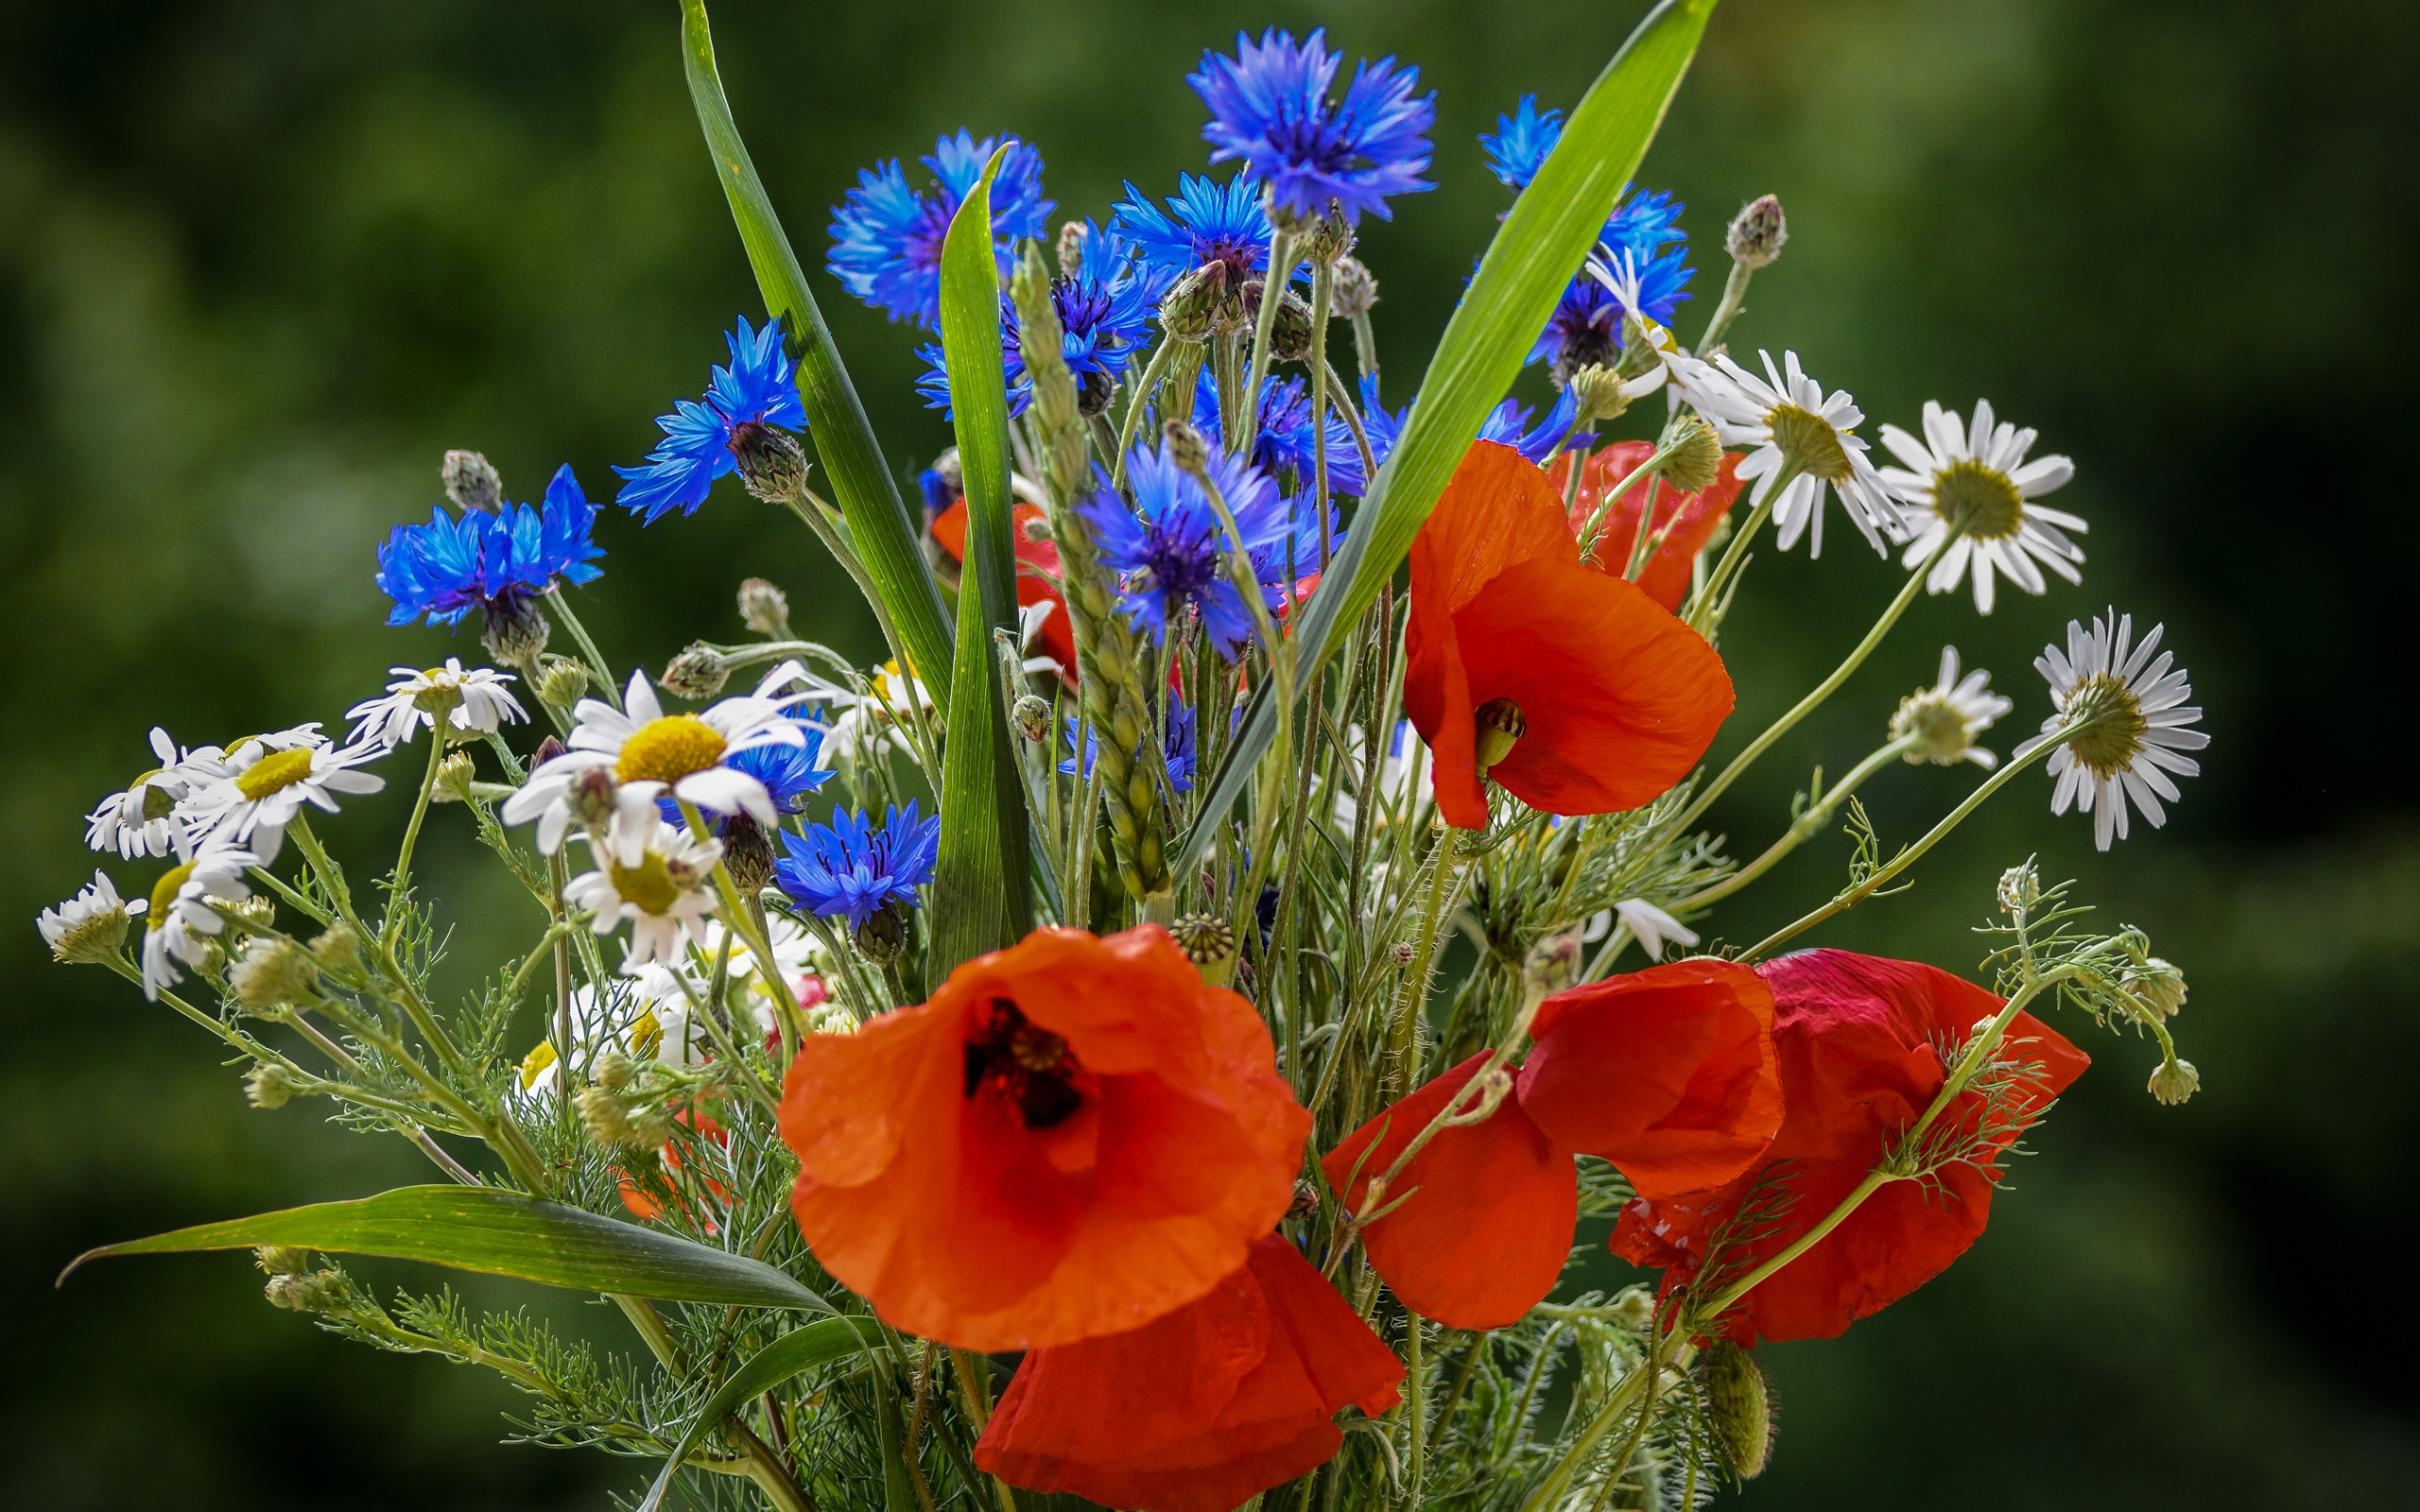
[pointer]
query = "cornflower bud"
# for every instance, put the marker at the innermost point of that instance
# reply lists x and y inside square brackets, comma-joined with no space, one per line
[1757,233]
[749,854]
[1691,452]
[1329,237]
[1354,290]
[764,608]
[269,1086]
[455,775]
[1196,307]
[2174,1080]
[282,1260]
[1030,715]
[1071,248]
[336,948]
[699,672]
[884,935]
[1290,337]
[1187,447]
[471,482]
[1554,962]
[592,797]
[772,465]
[515,629]
[560,681]
[1306,1200]
[1740,1400]
[2155,987]
[275,971]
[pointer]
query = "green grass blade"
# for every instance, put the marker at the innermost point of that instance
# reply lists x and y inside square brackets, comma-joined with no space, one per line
[981,901]
[501,1233]
[845,440]
[793,1355]
[1533,258]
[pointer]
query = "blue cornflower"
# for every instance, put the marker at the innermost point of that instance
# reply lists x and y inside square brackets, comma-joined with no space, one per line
[1177,741]
[788,772]
[1105,309]
[1508,424]
[1586,326]
[452,565]
[1269,106]
[1205,222]
[1282,445]
[886,238]
[701,437]
[1173,551]
[1521,142]
[852,867]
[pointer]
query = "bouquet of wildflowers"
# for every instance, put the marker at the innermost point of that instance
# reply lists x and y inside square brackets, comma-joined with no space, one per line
[1022,1072]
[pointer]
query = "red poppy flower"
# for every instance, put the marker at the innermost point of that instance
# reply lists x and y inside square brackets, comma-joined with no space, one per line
[1618,698]
[1037,574]
[1667,1072]
[1687,520]
[1858,1037]
[1203,1409]
[1071,1138]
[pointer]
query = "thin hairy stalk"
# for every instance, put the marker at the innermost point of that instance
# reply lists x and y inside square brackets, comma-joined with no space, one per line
[1734,294]
[606,682]
[1284,248]
[813,511]
[400,885]
[1138,398]
[1817,815]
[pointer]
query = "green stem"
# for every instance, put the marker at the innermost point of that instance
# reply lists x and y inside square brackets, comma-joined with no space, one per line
[737,917]
[1735,291]
[1283,247]
[1139,399]
[1808,824]
[396,889]
[1411,998]
[612,689]
[1415,1409]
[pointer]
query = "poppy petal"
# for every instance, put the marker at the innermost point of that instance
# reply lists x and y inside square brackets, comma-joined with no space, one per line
[1687,519]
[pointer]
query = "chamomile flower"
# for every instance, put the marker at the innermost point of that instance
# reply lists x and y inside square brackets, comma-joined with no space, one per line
[178,923]
[1972,487]
[1653,927]
[852,866]
[886,238]
[655,877]
[472,703]
[688,756]
[1944,718]
[140,821]
[1797,431]
[1269,108]
[2122,724]
[257,788]
[91,926]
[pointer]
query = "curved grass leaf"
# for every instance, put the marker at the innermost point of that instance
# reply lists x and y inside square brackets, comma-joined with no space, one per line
[1535,254]
[845,440]
[501,1233]
[793,1355]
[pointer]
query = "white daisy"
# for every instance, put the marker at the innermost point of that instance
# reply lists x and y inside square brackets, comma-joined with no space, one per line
[140,821]
[90,926]
[180,919]
[1974,484]
[1652,926]
[650,873]
[2121,723]
[683,754]
[625,1020]
[1795,429]
[1948,715]
[250,794]
[1622,279]
[472,703]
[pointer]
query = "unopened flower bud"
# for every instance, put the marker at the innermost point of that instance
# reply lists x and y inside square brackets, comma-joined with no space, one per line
[1635,1308]
[269,1086]
[256,910]
[884,935]
[591,796]
[1071,248]
[1690,452]
[1196,306]
[1330,236]
[1401,953]
[515,629]
[699,672]
[1554,962]
[275,971]
[471,482]
[650,1128]
[319,1291]
[1030,715]
[455,775]
[283,1259]
[749,854]
[560,681]
[1187,447]
[1205,938]
[336,948]
[604,1114]
[765,608]
[1306,1200]
[1595,394]
[1289,334]
[1501,725]
[2020,890]
[1757,233]
[1354,290]
[2155,987]
[1739,1401]
[614,1071]
[772,465]
[2173,1082]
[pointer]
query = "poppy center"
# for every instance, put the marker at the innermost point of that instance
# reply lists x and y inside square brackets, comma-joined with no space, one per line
[650,883]
[669,750]
[1808,443]
[1977,501]
[1502,726]
[274,773]
[163,894]
[2109,724]
[1031,1066]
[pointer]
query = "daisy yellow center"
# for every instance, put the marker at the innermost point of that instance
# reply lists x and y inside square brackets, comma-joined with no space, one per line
[534,1064]
[649,883]
[669,750]
[647,1033]
[274,773]
[1979,500]
[1808,443]
[163,894]
[2108,723]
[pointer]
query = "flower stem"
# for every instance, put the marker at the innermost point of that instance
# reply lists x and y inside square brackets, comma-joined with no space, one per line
[1137,400]
[395,889]
[1709,596]
[613,690]
[739,917]
[1734,293]
[1808,823]
[1283,247]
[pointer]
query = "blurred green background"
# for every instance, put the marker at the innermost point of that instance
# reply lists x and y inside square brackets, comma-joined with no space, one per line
[261,262]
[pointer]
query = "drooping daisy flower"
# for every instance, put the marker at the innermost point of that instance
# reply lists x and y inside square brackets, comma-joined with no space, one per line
[1269,107]
[652,874]
[1793,428]
[2125,721]
[852,867]
[140,820]
[1173,550]
[1106,310]
[1205,222]
[690,757]
[1282,445]
[1947,716]
[91,926]
[495,563]
[252,794]
[1973,488]
[471,703]
[743,423]
[886,238]
[179,922]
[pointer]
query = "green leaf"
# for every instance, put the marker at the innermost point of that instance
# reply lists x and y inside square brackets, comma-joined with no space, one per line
[1535,254]
[501,1233]
[793,1355]
[981,901]
[844,440]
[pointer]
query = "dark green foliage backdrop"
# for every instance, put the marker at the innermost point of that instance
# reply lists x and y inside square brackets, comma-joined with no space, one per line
[261,262]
